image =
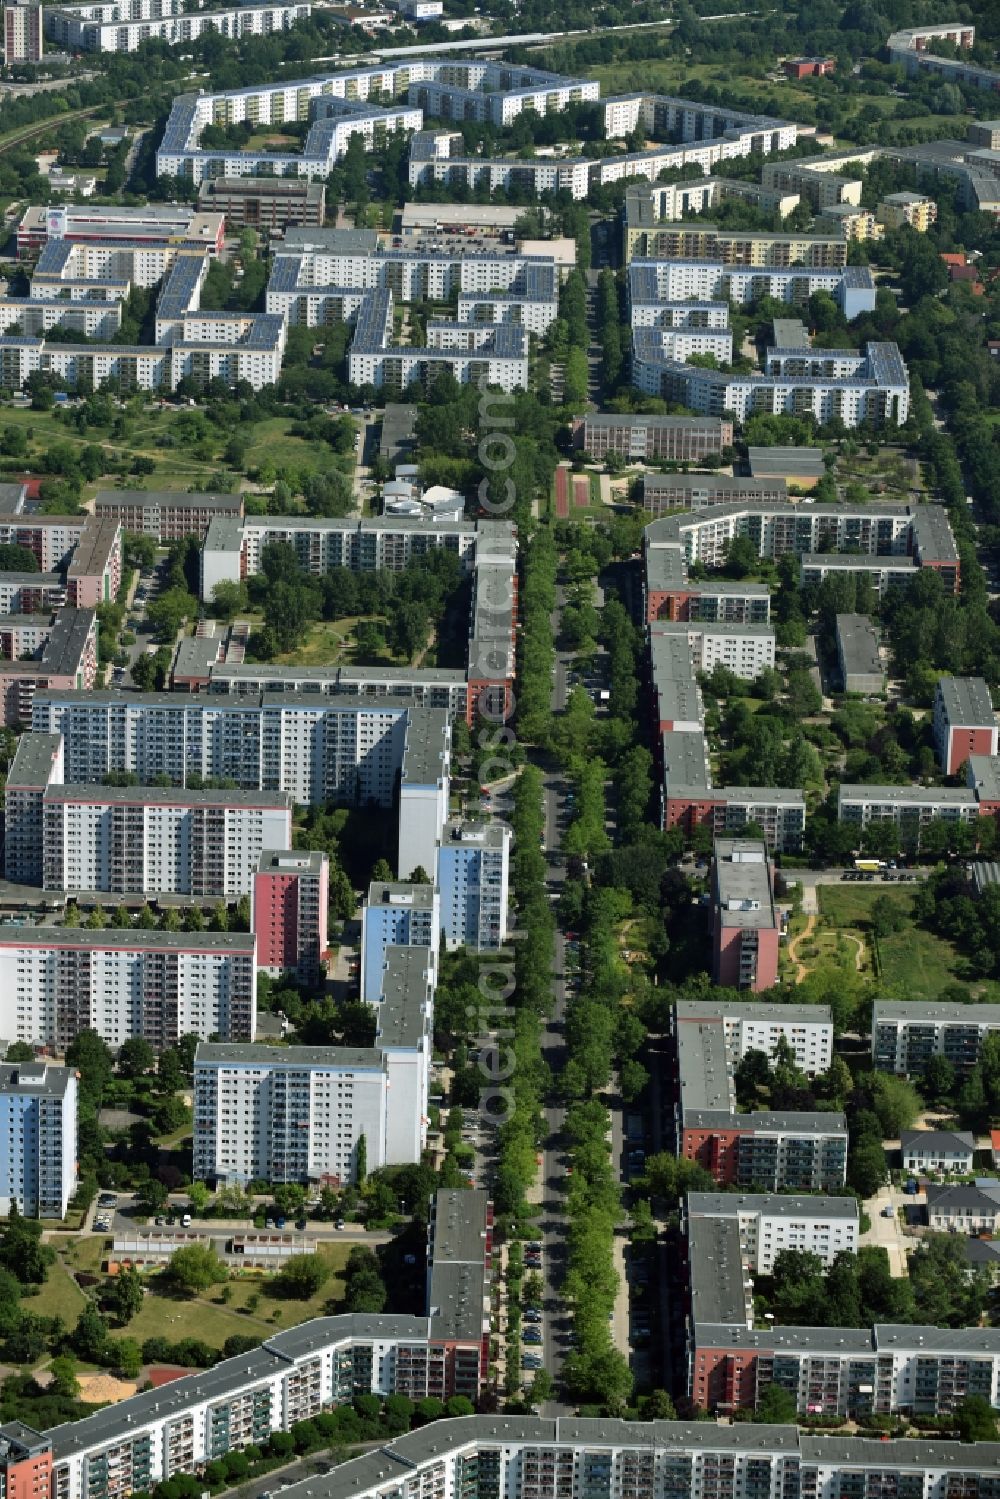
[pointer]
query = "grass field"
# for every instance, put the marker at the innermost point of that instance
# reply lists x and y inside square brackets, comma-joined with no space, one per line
[665,75]
[916,962]
[269,442]
[204,1316]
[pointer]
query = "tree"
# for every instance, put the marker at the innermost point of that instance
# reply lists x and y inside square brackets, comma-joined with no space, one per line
[135,1056]
[975,1419]
[866,1168]
[361,1160]
[886,916]
[22,1251]
[302,1276]
[152,1196]
[168,612]
[126,1357]
[776,1407]
[194,1268]
[937,1081]
[64,1380]
[124,1296]
[90,1336]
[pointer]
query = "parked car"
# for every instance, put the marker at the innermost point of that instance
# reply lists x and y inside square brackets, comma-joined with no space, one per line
[532,1335]
[532,1314]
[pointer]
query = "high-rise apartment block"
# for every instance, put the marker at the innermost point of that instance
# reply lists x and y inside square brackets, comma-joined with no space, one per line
[57,981]
[396,914]
[291,894]
[152,840]
[300,1113]
[38,1138]
[22,33]
[473,868]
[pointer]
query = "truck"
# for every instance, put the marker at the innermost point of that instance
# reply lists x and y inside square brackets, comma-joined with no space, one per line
[869,866]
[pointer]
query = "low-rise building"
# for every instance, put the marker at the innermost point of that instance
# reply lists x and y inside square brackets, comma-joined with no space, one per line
[940,1150]
[858,655]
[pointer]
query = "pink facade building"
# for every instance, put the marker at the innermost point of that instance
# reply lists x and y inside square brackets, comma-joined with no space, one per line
[964,721]
[746,929]
[94,573]
[291,892]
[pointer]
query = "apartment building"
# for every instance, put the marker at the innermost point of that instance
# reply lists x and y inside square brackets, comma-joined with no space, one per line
[744,649]
[57,981]
[396,913]
[23,33]
[460,1243]
[31,593]
[169,515]
[289,910]
[269,1113]
[845,385]
[665,493]
[858,655]
[154,840]
[315,748]
[915,209]
[124,28]
[769,1223]
[657,280]
[233,550]
[746,928]
[807,1029]
[765,1151]
[820,188]
[964,721]
[62,656]
[94,573]
[906,1036]
[37,761]
[473,874]
[38,1138]
[909,808]
[342,104]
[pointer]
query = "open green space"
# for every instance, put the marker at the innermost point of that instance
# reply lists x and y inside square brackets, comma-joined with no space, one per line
[666,75]
[205,1316]
[156,434]
[915,963]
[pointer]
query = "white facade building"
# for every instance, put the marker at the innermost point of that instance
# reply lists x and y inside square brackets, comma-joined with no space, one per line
[290,1114]
[57,981]
[150,840]
[771,1222]
[744,649]
[125,27]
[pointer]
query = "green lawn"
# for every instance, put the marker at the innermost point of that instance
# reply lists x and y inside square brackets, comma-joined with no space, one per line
[205,1316]
[269,441]
[850,904]
[915,962]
